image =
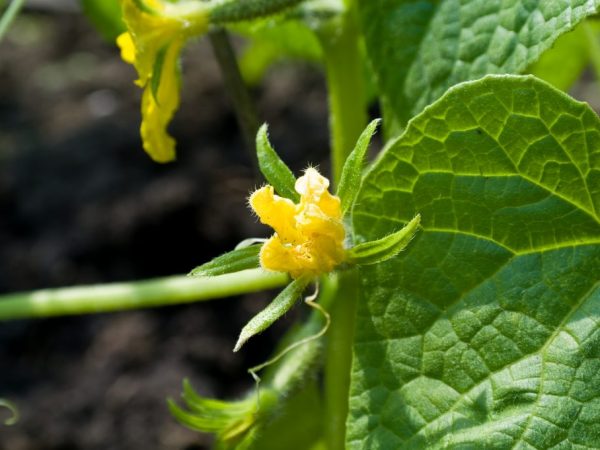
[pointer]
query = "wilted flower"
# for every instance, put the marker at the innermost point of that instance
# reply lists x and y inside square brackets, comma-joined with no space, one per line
[156,34]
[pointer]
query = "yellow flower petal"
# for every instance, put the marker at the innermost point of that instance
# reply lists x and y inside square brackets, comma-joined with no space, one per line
[155,27]
[277,212]
[125,43]
[309,235]
[312,188]
[276,256]
[158,109]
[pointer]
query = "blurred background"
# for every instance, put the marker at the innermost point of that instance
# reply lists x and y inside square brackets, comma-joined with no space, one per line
[80,202]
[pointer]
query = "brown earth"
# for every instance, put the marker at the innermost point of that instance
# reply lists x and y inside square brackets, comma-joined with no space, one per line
[81,203]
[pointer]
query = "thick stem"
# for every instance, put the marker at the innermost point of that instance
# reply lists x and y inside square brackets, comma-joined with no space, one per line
[347,118]
[9,15]
[236,88]
[134,295]
[346,86]
[339,359]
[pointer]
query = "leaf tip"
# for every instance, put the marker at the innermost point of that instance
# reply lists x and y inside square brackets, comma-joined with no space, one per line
[240,342]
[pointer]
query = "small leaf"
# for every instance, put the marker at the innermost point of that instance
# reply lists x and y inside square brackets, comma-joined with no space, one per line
[277,308]
[157,72]
[385,248]
[271,41]
[352,171]
[273,168]
[233,261]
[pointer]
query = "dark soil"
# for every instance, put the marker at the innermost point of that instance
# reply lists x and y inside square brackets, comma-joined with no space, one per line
[81,203]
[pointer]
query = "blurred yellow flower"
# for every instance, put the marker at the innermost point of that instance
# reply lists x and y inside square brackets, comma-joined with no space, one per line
[309,236]
[156,33]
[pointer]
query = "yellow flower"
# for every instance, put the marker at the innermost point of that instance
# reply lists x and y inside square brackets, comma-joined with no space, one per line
[309,236]
[156,34]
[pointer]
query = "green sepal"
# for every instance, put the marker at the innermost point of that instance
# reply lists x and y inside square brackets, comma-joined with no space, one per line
[157,72]
[141,4]
[352,172]
[235,424]
[106,16]
[277,173]
[13,410]
[277,308]
[373,252]
[239,259]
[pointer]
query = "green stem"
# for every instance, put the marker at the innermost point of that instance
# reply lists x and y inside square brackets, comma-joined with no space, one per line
[134,295]
[9,16]
[593,48]
[339,359]
[346,88]
[347,118]
[236,88]
[239,10]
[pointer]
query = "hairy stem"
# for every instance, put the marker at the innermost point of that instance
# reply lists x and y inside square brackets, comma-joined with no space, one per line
[347,119]
[9,15]
[239,10]
[339,359]
[134,295]
[236,88]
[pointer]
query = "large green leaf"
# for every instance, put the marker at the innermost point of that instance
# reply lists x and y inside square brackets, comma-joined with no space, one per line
[420,48]
[485,332]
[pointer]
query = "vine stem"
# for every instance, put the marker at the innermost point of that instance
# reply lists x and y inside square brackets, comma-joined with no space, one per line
[347,119]
[236,88]
[135,295]
[339,359]
[9,16]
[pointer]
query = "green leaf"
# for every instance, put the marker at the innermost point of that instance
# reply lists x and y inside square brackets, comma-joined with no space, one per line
[352,172]
[387,247]
[235,424]
[277,308]
[420,48]
[240,424]
[106,17]
[485,332]
[562,65]
[272,41]
[233,261]
[273,168]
